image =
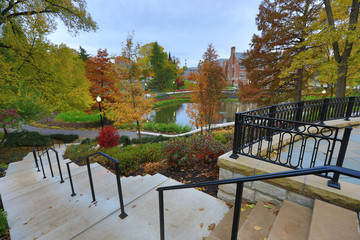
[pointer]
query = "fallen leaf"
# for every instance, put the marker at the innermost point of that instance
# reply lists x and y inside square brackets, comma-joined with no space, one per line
[203,238]
[77,200]
[201,225]
[230,205]
[272,204]
[81,194]
[133,206]
[257,228]
[107,198]
[243,209]
[201,209]
[251,205]
[50,207]
[225,213]
[166,209]
[276,212]
[267,206]
[247,216]
[211,227]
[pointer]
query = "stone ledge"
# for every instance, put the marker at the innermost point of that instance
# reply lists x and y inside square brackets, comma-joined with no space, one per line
[310,186]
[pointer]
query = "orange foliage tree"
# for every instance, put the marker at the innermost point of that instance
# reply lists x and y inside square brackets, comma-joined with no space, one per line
[207,88]
[98,71]
[130,103]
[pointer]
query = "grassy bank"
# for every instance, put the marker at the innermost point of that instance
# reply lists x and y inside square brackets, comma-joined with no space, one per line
[77,116]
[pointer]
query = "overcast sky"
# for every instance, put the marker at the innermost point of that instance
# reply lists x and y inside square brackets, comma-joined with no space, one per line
[182,27]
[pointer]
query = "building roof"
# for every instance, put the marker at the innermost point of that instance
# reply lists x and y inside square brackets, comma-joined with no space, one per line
[240,56]
[222,60]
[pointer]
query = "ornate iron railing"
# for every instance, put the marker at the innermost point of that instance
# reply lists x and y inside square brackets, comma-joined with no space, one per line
[264,133]
[239,189]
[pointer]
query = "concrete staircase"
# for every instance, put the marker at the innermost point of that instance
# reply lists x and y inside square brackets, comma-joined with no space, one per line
[40,208]
[44,209]
[291,222]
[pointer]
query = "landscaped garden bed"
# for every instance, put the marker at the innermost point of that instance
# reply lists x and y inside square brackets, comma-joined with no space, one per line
[187,159]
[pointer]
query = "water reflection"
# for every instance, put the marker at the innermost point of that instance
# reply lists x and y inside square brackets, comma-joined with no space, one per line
[177,112]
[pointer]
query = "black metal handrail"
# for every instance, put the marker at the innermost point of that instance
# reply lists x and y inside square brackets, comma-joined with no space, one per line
[239,189]
[256,128]
[118,181]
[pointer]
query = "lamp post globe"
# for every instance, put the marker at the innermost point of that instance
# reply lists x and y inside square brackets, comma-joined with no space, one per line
[98,99]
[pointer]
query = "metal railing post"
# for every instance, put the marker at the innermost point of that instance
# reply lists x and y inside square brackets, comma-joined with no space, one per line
[35,158]
[90,179]
[237,135]
[58,162]
[47,153]
[161,213]
[42,166]
[334,182]
[122,214]
[237,210]
[299,111]
[349,108]
[324,109]
[70,178]
[271,122]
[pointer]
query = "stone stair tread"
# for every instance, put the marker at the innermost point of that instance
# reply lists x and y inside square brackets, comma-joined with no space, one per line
[15,187]
[261,217]
[105,207]
[292,222]
[223,230]
[188,213]
[332,223]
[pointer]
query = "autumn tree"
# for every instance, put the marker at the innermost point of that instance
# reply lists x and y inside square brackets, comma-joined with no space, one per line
[206,91]
[131,104]
[283,28]
[98,71]
[345,22]
[38,77]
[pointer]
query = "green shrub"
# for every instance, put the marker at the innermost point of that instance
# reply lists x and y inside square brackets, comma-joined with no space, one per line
[125,140]
[75,152]
[86,141]
[25,138]
[3,223]
[156,139]
[131,156]
[66,138]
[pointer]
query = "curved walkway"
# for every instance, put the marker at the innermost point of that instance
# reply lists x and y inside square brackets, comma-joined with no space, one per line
[82,133]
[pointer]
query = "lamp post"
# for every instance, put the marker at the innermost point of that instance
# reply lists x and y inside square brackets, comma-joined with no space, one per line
[98,99]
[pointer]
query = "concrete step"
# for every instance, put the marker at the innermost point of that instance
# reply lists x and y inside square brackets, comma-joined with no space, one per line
[188,213]
[332,223]
[51,211]
[292,222]
[259,223]
[223,229]
[15,187]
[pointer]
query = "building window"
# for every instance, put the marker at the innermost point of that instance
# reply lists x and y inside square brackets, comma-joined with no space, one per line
[234,73]
[242,75]
[242,67]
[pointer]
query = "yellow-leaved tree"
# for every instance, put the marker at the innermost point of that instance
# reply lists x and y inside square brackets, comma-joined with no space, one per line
[131,104]
[207,87]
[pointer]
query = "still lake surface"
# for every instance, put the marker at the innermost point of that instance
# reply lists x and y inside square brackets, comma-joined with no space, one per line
[177,113]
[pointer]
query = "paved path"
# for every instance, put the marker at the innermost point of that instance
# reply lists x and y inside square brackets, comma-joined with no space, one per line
[82,133]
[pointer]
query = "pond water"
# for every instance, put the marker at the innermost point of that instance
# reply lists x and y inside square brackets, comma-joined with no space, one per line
[177,112]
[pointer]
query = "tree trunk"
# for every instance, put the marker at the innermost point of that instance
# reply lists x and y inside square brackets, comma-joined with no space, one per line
[138,128]
[5,131]
[341,81]
[298,87]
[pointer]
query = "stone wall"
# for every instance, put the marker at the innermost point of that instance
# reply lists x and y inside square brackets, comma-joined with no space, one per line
[302,189]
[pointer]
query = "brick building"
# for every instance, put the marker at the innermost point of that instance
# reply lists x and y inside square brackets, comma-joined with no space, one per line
[234,70]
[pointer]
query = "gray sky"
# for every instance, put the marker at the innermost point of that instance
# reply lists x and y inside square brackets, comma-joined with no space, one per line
[182,27]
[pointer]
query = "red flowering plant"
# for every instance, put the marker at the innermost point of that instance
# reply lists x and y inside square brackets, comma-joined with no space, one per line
[108,137]
[9,118]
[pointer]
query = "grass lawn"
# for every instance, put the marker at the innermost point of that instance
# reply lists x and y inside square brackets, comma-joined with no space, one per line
[77,116]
